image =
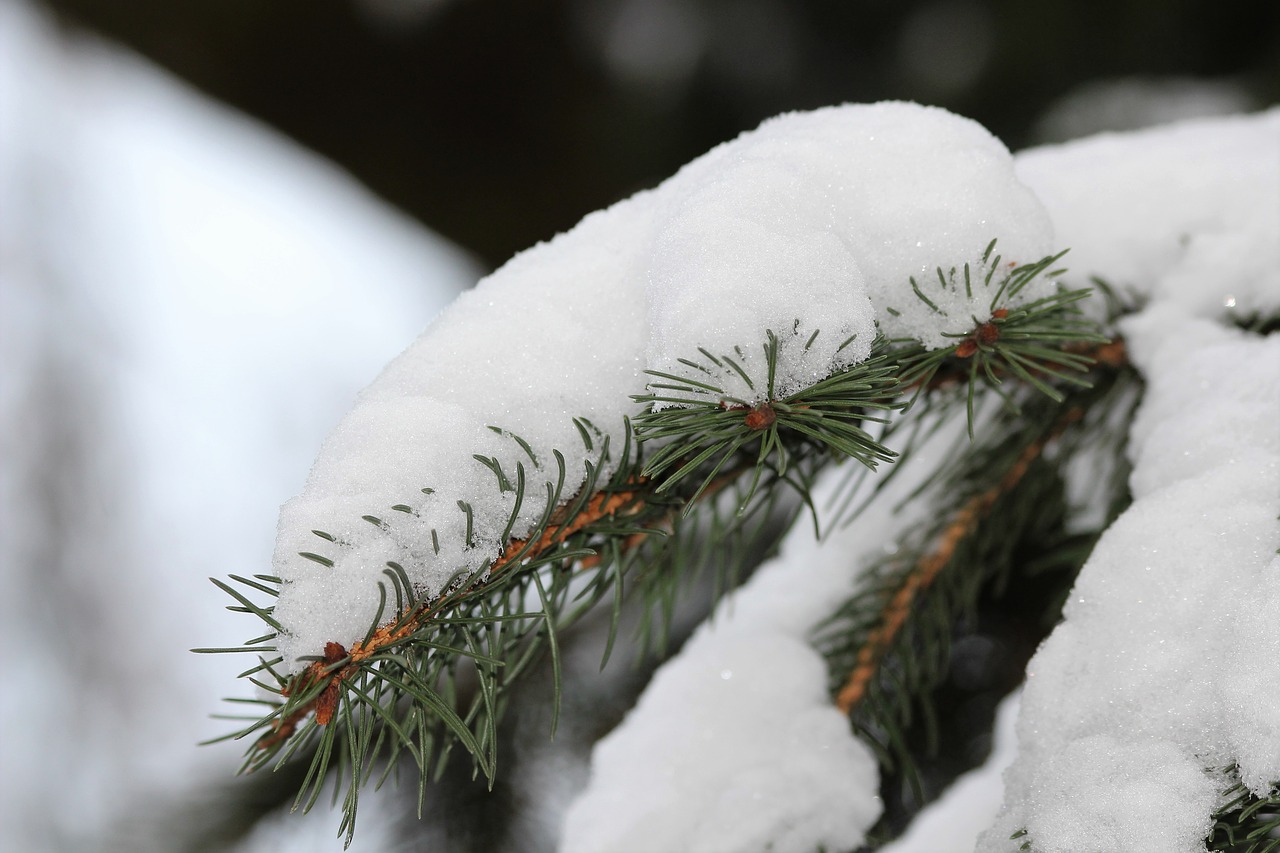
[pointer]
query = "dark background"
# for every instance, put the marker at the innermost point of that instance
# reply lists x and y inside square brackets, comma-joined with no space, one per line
[501,122]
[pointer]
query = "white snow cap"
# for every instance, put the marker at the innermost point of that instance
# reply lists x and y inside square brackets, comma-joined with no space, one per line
[1186,213]
[520,352]
[814,223]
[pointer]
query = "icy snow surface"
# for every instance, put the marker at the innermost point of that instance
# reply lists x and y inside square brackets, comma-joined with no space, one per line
[814,222]
[188,303]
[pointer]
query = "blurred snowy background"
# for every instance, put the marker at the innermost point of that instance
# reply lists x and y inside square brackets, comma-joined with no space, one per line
[188,303]
[189,300]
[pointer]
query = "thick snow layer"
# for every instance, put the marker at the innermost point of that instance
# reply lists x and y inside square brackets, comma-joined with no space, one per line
[521,352]
[1186,213]
[188,303]
[1166,666]
[805,224]
[814,223]
[1168,662]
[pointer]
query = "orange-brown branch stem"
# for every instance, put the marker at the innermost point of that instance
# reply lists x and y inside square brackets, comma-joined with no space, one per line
[962,525]
[599,506]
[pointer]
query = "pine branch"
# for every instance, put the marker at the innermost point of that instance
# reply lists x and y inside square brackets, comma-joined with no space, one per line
[435,673]
[963,525]
[999,511]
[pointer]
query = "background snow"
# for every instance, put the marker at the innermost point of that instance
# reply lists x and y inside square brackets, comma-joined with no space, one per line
[1186,213]
[187,305]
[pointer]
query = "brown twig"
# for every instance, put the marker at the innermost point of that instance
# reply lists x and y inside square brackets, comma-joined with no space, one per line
[599,506]
[962,525]
[606,504]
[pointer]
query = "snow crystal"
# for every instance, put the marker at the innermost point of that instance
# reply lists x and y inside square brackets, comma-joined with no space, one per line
[808,226]
[1154,679]
[803,225]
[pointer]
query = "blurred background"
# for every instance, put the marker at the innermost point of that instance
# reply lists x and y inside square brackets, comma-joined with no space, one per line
[219,218]
[501,123]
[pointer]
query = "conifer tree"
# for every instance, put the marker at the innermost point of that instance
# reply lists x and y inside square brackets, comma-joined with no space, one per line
[862,324]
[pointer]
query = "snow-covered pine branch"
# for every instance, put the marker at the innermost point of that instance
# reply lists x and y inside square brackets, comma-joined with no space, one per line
[815,223]
[820,245]
[1165,670]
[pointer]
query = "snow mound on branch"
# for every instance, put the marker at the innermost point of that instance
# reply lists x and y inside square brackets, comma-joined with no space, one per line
[1166,661]
[814,223]
[521,353]
[1164,671]
[1185,213]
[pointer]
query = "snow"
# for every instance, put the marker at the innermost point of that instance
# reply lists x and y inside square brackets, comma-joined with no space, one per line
[813,223]
[184,301]
[419,425]
[816,222]
[956,819]
[1186,213]
[1162,666]
[1133,103]
[1166,666]
[188,303]
[708,778]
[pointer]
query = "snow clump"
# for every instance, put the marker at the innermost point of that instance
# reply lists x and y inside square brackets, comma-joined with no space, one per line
[1165,666]
[815,223]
